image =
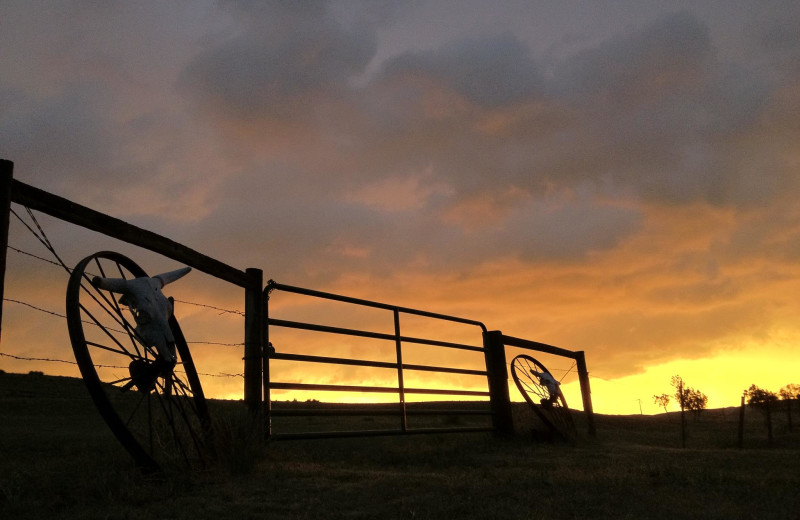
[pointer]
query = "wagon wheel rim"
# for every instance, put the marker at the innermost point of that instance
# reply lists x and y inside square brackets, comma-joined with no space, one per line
[156,409]
[552,410]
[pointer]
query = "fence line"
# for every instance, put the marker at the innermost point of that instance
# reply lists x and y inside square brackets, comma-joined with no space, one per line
[256,340]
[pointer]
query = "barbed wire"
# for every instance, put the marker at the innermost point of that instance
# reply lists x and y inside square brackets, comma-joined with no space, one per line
[70,362]
[41,236]
[50,360]
[20,251]
[212,307]
[36,308]
[59,315]
[566,371]
[222,311]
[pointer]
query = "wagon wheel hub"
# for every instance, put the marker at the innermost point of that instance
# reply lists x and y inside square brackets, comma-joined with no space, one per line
[145,373]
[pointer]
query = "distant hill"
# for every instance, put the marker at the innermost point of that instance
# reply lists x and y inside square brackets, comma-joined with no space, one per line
[36,384]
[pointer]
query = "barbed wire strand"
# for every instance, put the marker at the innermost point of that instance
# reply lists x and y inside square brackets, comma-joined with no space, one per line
[69,362]
[222,311]
[59,315]
[41,236]
[574,364]
[20,251]
[565,370]
[212,307]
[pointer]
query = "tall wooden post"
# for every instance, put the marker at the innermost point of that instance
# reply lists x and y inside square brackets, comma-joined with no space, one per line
[500,402]
[769,422]
[682,402]
[401,386]
[6,175]
[253,339]
[267,400]
[788,402]
[586,392]
[741,424]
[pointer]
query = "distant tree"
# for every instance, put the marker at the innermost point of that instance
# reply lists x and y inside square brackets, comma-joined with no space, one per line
[763,400]
[681,397]
[759,397]
[696,401]
[790,391]
[662,401]
[680,391]
[688,399]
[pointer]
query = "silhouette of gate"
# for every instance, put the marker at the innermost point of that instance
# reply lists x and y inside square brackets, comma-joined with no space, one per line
[401,409]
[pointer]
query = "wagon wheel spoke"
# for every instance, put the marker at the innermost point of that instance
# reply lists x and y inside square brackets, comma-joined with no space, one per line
[158,414]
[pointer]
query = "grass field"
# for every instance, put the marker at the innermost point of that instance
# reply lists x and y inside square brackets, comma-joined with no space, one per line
[58,460]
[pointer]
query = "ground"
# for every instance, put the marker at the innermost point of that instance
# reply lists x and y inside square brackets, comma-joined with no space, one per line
[59,460]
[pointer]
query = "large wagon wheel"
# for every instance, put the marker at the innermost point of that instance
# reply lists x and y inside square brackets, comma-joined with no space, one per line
[156,409]
[530,377]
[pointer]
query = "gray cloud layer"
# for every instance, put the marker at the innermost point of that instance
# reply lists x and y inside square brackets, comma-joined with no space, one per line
[651,113]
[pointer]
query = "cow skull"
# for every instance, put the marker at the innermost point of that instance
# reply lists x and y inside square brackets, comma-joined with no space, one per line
[150,308]
[548,381]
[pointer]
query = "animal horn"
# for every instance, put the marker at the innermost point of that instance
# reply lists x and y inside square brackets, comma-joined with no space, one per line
[172,275]
[117,285]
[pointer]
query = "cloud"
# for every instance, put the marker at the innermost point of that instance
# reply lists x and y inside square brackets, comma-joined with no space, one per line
[649,116]
[666,57]
[491,71]
[284,57]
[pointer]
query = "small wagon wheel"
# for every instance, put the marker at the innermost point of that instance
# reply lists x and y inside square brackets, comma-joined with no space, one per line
[531,377]
[155,409]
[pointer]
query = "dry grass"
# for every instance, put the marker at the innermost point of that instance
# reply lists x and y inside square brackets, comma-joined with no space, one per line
[59,460]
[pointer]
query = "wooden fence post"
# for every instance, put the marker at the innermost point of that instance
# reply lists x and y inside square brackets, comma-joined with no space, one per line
[268,350]
[6,175]
[253,339]
[495,353]
[741,424]
[769,422]
[586,392]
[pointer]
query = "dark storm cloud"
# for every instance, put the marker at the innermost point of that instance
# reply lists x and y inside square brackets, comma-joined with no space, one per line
[65,133]
[84,109]
[492,71]
[667,57]
[284,55]
[539,160]
[652,113]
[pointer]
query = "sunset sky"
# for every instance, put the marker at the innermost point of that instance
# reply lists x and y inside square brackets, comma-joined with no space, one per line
[617,177]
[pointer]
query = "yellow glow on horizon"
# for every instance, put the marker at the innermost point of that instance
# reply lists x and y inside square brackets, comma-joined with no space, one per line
[723,378]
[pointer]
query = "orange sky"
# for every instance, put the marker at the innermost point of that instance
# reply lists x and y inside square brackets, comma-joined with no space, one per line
[619,180]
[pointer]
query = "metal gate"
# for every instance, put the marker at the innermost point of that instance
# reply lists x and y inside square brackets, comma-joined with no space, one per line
[401,409]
